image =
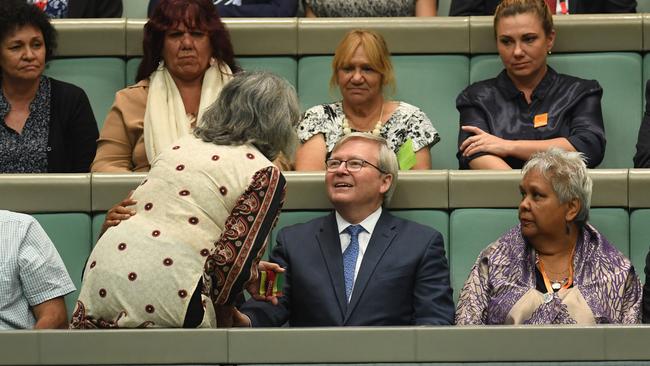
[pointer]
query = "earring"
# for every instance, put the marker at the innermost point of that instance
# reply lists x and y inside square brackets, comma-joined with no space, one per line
[568,228]
[549,52]
[213,61]
[161,65]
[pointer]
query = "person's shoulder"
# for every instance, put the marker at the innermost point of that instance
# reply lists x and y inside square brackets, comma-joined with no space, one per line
[510,245]
[411,227]
[407,107]
[133,93]
[569,81]
[610,258]
[479,87]
[320,109]
[10,216]
[312,226]
[65,89]
[478,91]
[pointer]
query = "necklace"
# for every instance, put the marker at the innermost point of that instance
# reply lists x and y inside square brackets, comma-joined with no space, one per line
[375,131]
[555,285]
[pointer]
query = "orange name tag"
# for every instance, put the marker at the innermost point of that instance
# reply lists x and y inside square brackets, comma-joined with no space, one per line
[540,120]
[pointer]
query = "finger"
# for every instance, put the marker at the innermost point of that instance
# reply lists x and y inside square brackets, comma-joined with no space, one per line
[471,150]
[468,141]
[123,211]
[128,202]
[270,266]
[273,300]
[472,129]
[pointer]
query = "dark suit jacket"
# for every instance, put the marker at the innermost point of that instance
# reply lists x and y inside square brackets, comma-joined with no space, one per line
[403,278]
[487,7]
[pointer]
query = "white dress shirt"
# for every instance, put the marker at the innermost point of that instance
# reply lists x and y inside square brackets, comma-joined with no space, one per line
[368,225]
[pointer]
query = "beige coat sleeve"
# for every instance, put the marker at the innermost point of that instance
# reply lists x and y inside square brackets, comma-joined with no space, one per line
[120,147]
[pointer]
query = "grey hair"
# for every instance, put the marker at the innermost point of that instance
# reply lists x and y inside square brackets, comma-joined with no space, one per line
[257,108]
[387,160]
[568,175]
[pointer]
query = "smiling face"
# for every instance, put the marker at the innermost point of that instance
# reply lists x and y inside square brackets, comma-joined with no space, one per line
[359,192]
[523,46]
[541,213]
[22,56]
[358,81]
[186,52]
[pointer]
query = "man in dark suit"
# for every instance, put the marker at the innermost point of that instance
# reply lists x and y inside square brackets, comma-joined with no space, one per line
[487,7]
[395,271]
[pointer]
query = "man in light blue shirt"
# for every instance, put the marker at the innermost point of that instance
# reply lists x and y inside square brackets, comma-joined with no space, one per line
[33,278]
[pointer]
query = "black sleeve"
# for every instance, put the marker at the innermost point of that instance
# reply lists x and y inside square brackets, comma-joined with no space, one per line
[107,9]
[470,115]
[587,130]
[642,156]
[264,314]
[646,291]
[80,134]
[95,9]
[620,6]
[273,8]
[468,7]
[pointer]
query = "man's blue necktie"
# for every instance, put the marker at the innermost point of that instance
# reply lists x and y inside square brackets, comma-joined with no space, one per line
[350,257]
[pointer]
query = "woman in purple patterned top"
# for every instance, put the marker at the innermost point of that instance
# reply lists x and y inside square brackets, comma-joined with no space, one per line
[554,267]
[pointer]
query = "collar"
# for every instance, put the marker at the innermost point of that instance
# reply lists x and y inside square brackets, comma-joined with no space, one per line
[42,95]
[508,88]
[368,223]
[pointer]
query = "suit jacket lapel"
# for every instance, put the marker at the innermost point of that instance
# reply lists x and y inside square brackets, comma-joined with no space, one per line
[330,246]
[380,240]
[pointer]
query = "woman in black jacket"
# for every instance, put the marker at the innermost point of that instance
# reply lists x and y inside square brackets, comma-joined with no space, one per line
[46,125]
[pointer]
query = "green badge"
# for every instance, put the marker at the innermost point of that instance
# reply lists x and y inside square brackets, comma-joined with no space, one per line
[406,156]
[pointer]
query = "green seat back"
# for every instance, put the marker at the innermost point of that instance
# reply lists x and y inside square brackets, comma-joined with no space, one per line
[132,69]
[96,226]
[614,224]
[471,230]
[430,82]
[99,77]
[618,73]
[70,233]
[286,67]
[135,9]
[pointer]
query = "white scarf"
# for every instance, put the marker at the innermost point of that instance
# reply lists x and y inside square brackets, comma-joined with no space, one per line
[165,120]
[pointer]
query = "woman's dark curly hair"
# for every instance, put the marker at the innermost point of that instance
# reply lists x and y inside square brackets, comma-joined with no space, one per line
[201,14]
[15,14]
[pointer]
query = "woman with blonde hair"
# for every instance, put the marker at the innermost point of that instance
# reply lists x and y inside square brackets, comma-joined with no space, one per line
[362,70]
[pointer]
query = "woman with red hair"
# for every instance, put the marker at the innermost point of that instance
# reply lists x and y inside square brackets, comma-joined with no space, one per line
[187,59]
